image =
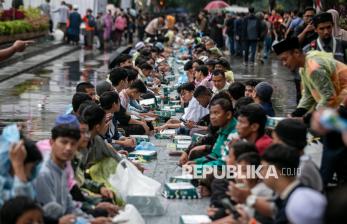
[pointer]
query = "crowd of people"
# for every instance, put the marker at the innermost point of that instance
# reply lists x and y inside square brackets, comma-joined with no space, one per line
[110,29]
[255,33]
[58,180]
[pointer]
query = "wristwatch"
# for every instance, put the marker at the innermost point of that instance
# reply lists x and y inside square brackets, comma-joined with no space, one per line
[251,199]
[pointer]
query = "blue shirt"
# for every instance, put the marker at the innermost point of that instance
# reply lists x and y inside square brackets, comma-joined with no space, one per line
[11,187]
[295,23]
[269,110]
[51,186]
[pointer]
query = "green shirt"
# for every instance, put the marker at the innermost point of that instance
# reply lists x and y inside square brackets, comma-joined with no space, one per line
[324,81]
[220,148]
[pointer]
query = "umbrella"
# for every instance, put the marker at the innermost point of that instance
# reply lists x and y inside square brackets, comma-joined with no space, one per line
[216,5]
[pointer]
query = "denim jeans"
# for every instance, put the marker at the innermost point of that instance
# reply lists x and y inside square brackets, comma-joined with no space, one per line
[267,47]
[253,45]
[231,45]
[238,47]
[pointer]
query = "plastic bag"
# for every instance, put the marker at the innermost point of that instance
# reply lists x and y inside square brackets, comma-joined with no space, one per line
[183,78]
[129,181]
[146,146]
[10,135]
[129,215]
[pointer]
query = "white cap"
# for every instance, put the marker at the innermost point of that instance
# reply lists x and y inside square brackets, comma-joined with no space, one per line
[75,7]
[203,58]
[306,206]
[139,45]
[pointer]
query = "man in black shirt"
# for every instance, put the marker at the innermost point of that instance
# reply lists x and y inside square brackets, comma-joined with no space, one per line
[324,24]
[229,23]
[306,32]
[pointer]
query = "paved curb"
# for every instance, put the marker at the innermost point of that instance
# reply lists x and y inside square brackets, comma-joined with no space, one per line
[38,64]
[14,59]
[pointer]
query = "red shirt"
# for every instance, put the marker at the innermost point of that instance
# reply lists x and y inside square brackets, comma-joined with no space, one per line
[263,143]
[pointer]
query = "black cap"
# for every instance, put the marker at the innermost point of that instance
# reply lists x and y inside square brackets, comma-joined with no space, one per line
[286,45]
[211,62]
[322,18]
[292,132]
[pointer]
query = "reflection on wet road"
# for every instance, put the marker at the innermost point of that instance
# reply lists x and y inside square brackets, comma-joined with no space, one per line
[38,96]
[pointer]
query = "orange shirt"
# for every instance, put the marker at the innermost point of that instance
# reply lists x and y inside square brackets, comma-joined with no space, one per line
[86,21]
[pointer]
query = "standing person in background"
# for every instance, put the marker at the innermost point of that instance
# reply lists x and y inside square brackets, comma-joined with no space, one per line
[141,24]
[287,19]
[274,17]
[120,25]
[73,31]
[154,26]
[294,24]
[2,5]
[338,33]
[203,23]
[108,24]
[326,42]
[230,31]
[216,29]
[263,33]
[130,29]
[99,30]
[268,37]
[305,32]
[63,11]
[90,29]
[251,34]
[170,22]
[238,28]
[46,10]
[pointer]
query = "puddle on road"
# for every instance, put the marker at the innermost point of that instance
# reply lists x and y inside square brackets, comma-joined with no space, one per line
[28,85]
[36,98]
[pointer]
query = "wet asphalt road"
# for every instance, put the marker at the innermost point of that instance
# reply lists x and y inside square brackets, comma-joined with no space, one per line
[38,96]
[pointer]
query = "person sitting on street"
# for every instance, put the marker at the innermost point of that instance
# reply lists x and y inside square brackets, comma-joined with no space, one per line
[119,80]
[16,178]
[221,115]
[98,125]
[224,65]
[202,77]
[284,184]
[294,134]
[250,126]
[236,91]
[219,81]
[192,114]
[110,103]
[19,210]
[262,96]
[50,184]
[88,88]
[250,87]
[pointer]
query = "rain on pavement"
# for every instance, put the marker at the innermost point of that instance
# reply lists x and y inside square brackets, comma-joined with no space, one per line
[38,96]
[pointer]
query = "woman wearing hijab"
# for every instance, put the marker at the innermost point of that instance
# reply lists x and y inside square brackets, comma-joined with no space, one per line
[337,31]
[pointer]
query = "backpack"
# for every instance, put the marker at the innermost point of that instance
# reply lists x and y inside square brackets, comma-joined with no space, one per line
[91,21]
[120,24]
[252,29]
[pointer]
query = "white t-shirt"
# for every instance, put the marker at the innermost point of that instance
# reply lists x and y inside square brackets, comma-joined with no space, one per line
[194,112]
